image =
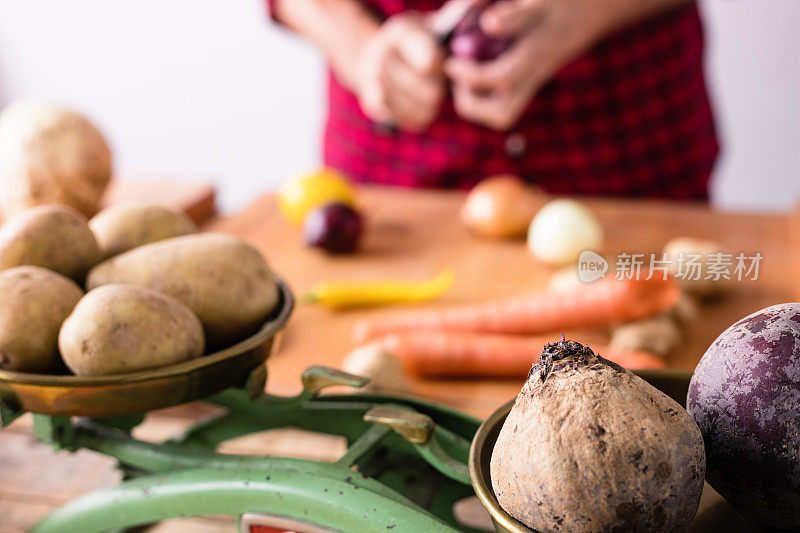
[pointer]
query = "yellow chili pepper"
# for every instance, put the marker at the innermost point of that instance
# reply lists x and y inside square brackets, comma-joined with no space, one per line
[340,294]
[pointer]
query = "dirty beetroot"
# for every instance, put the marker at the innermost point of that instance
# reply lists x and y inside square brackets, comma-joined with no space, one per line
[589,446]
[745,396]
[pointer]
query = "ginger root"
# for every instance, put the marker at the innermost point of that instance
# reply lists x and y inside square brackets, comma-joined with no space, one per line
[661,334]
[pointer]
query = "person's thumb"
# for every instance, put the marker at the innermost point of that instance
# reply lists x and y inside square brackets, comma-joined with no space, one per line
[418,47]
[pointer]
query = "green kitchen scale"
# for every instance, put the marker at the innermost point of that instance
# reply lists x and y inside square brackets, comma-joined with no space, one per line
[404,468]
[407,463]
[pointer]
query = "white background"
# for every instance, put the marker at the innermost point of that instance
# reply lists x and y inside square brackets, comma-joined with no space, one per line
[210,89]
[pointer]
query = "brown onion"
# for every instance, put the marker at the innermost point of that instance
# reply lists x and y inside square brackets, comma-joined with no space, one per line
[501,207]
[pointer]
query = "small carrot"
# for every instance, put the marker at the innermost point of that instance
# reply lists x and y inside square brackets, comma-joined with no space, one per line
[588,305]
[439,353]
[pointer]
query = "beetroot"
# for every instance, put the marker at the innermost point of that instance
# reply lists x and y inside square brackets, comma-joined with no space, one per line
[470,42]
[334,227]
[745,396]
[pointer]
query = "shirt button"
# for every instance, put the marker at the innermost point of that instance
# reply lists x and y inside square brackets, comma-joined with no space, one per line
[516,145]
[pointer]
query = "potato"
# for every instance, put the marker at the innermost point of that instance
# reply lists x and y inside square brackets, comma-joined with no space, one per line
[51,236]
[224,280]
[589,446]
[119,328]
[51,155]
[123,227]
[35,303]
[745,396]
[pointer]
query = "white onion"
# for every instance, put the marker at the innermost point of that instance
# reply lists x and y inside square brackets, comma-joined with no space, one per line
[561,230]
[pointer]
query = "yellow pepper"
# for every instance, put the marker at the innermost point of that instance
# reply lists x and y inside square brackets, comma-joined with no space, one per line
[341,294]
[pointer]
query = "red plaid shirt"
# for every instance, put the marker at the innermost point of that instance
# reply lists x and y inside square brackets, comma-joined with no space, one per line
[629,118]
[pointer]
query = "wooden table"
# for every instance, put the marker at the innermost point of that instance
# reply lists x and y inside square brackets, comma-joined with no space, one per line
[410,234]
[415,234]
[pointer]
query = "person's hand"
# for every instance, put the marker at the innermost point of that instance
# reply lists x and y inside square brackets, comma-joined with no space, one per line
[547,33]
[399,76]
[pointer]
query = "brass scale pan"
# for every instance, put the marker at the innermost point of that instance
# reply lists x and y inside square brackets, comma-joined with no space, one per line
[137,392]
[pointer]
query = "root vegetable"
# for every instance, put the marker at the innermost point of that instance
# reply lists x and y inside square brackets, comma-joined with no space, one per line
[500,207]
[469,41]
[35,303]
[561,230]
[383,368]
[51,155]
[596,304]
[124,328]
[126,226]
[658,335]
[436,353]
[683,251]
[661,335]
[224,280]
[745,396]
[55,237]
[335,228]
[588,446]
[684,313]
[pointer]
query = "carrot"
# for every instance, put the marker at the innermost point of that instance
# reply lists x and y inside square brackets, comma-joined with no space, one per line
[588,305]
[439,353]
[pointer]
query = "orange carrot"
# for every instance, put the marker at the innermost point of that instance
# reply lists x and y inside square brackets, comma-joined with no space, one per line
[439,353]
[588,305]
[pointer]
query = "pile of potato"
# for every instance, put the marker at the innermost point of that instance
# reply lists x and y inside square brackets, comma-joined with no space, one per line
[158,293]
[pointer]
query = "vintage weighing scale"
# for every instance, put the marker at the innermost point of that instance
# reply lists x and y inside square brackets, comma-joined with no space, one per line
[408,462]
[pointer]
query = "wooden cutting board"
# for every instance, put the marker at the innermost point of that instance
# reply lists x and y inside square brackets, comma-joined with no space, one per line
[415,234]
[196,199]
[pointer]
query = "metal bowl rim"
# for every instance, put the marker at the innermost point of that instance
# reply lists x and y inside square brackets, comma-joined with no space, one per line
[484,493]
[480,484]
[268,330]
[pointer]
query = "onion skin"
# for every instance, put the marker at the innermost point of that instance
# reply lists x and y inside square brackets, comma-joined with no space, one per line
[469,41]
[501,207]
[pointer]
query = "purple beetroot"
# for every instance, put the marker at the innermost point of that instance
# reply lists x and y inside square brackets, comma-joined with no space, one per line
[745,396]
[335,227]
[470,42]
